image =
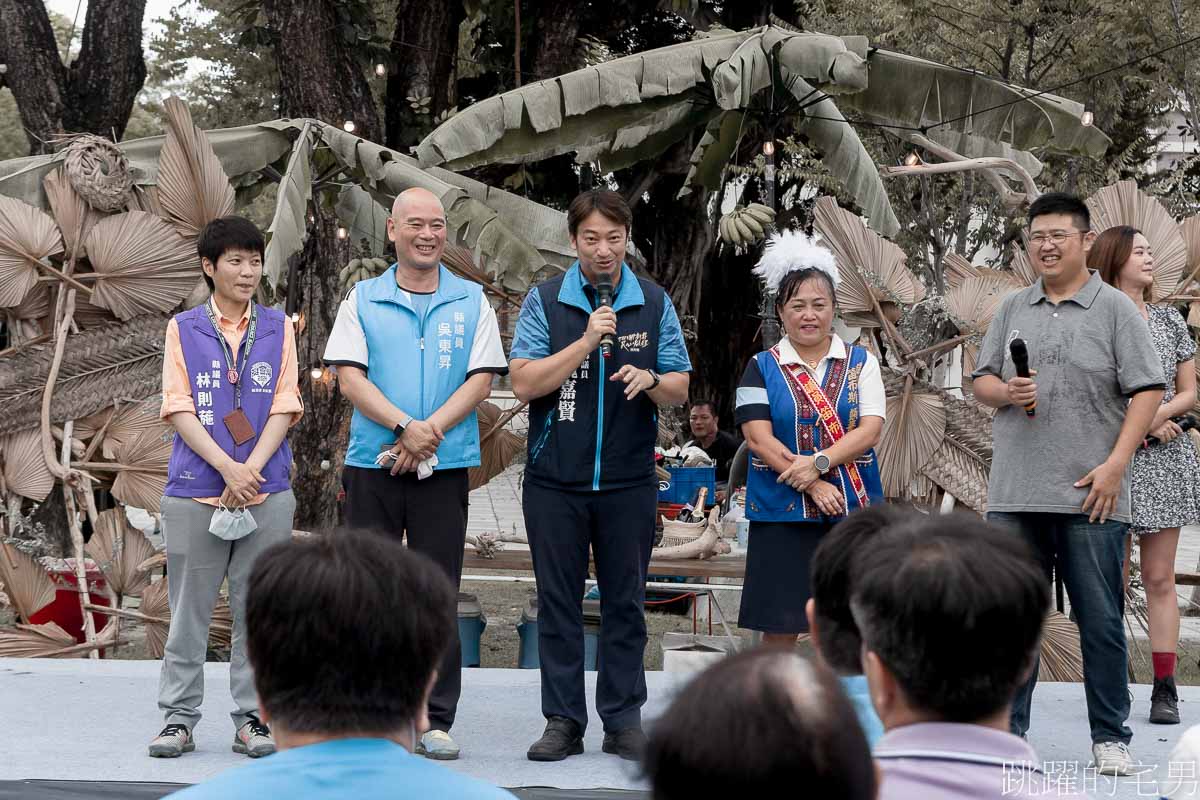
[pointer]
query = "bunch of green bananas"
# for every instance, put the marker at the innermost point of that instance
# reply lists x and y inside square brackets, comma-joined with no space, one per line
[746,225]
[360,269]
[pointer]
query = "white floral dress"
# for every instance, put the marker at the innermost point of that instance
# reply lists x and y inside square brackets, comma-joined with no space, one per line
[1164,480]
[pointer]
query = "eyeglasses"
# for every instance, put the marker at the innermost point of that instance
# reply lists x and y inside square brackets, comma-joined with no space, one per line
[1056,238]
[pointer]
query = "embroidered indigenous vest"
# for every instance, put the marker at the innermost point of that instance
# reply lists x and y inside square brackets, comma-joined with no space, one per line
[808,417]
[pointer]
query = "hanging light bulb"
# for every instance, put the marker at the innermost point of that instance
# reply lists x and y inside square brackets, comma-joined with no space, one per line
[295,316]
[3,69]
[315,373]
[769,148]
[342,233]
[380,70]
[312,218]
[1086,118]
[348,126]
[912,159]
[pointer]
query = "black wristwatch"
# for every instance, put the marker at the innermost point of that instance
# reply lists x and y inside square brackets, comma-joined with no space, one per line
[657,379]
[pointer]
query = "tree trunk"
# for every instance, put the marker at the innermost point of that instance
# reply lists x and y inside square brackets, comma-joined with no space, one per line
[320,77]
[424,49]
[319,72]
[96,93]
[554,45]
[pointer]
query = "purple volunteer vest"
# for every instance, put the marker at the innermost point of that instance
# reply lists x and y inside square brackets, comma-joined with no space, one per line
[189,475]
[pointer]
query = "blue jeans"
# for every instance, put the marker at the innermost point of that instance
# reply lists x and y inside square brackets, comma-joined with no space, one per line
[1089,558]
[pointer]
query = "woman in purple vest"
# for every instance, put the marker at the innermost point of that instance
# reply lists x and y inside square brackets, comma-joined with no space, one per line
[230,390]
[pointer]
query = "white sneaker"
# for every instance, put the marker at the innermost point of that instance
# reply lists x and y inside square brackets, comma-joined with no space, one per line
[437,745]
[253,739]
[174,741]
[1112,758]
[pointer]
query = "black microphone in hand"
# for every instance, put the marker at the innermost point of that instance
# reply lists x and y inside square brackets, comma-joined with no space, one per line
[604,297]
[1020,358]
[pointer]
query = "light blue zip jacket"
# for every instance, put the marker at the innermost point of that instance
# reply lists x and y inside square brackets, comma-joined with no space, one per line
[417,367]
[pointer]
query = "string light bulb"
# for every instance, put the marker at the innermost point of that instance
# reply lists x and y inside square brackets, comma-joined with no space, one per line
[348,126]
[295,316]
[1086,118]
[315,373]
[912,159]
[3,69]
[380,70]
[342,233]
[768,148]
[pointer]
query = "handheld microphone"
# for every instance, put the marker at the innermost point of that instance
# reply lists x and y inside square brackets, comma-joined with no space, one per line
[1020,357]
[1185,423]
[604,297]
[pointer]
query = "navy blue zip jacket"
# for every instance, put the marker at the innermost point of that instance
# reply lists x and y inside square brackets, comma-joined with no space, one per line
[586,436]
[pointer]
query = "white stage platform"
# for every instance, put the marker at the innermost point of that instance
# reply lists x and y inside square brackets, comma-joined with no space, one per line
[90,721]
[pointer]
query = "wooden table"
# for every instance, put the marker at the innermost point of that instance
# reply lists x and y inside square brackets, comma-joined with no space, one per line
[512,560]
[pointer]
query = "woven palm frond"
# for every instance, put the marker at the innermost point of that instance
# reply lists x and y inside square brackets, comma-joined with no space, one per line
[34,641]
[26,583]
[25,470]
[1062,654]
[1190,229]
[156,606]
[868,265]
[118,361]
[498,447]
[1123,203]
[140,484]
[27,236]
[118,548]
[959,471]
[71,212]
[193,188]
[957,269]
[98,170]
[913,430]
[142,264]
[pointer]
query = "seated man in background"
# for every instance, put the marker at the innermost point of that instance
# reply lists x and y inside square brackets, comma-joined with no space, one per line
[345,633]
[830,621]
[720,445]
[762,723]
[950,610]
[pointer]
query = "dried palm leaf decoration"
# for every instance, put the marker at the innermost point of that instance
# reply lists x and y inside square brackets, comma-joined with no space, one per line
[1124,204]
[118,548]
[498,447]
[142,265]
[913,430]
[193,188]
[28,236]
[26,583]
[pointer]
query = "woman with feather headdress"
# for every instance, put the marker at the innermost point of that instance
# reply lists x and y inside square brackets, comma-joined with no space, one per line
[811,409]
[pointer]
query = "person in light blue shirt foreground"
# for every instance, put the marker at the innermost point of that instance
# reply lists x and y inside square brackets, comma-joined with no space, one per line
[345,632]
[830,622]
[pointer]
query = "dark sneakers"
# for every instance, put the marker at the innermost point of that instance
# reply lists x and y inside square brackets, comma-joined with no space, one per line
[1164,702]
[562,738]
[629,743]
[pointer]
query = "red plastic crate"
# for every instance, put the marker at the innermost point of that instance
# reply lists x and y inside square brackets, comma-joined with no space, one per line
[64,611]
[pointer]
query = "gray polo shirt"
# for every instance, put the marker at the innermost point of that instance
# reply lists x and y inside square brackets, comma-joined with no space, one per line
[1091,352]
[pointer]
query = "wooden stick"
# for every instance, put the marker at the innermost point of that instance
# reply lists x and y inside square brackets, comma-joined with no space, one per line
[127,614]
[968,165]
[503,420]
[99,437]
[85,598]
[949,344]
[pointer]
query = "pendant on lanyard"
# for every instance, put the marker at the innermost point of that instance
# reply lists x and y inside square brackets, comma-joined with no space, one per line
[236,422]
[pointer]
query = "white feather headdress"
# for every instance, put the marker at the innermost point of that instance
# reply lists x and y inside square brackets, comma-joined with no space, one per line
[792,250]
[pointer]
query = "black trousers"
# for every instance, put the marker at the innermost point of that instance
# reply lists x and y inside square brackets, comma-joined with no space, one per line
[619,526]
[433,514]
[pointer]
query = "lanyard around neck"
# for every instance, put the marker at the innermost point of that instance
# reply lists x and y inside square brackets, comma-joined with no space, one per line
[232,373]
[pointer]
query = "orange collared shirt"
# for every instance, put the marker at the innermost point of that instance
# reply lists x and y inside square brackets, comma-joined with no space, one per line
[177,387]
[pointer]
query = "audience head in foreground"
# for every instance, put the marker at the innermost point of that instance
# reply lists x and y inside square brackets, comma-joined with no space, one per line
[951,610]
[345,632]
[755,722]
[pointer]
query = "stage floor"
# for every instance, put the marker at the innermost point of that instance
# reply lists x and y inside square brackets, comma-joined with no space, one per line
[90,721]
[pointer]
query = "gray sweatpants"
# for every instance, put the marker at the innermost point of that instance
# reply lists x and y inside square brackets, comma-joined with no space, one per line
[197,563]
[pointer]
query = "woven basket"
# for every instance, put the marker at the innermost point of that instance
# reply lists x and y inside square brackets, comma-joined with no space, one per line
[98,171]
[676,533]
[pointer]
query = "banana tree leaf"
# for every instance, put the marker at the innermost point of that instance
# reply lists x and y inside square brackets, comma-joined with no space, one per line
[288,230]
[712,154]
[364,217]
[847,160]
[909,91]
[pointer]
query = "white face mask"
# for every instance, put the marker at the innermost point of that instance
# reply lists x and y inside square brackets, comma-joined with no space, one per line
[231,524]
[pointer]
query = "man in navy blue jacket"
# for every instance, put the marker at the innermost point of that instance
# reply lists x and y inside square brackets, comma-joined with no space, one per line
[589,477]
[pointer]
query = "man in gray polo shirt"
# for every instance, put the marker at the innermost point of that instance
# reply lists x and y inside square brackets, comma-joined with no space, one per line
[1061,476]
